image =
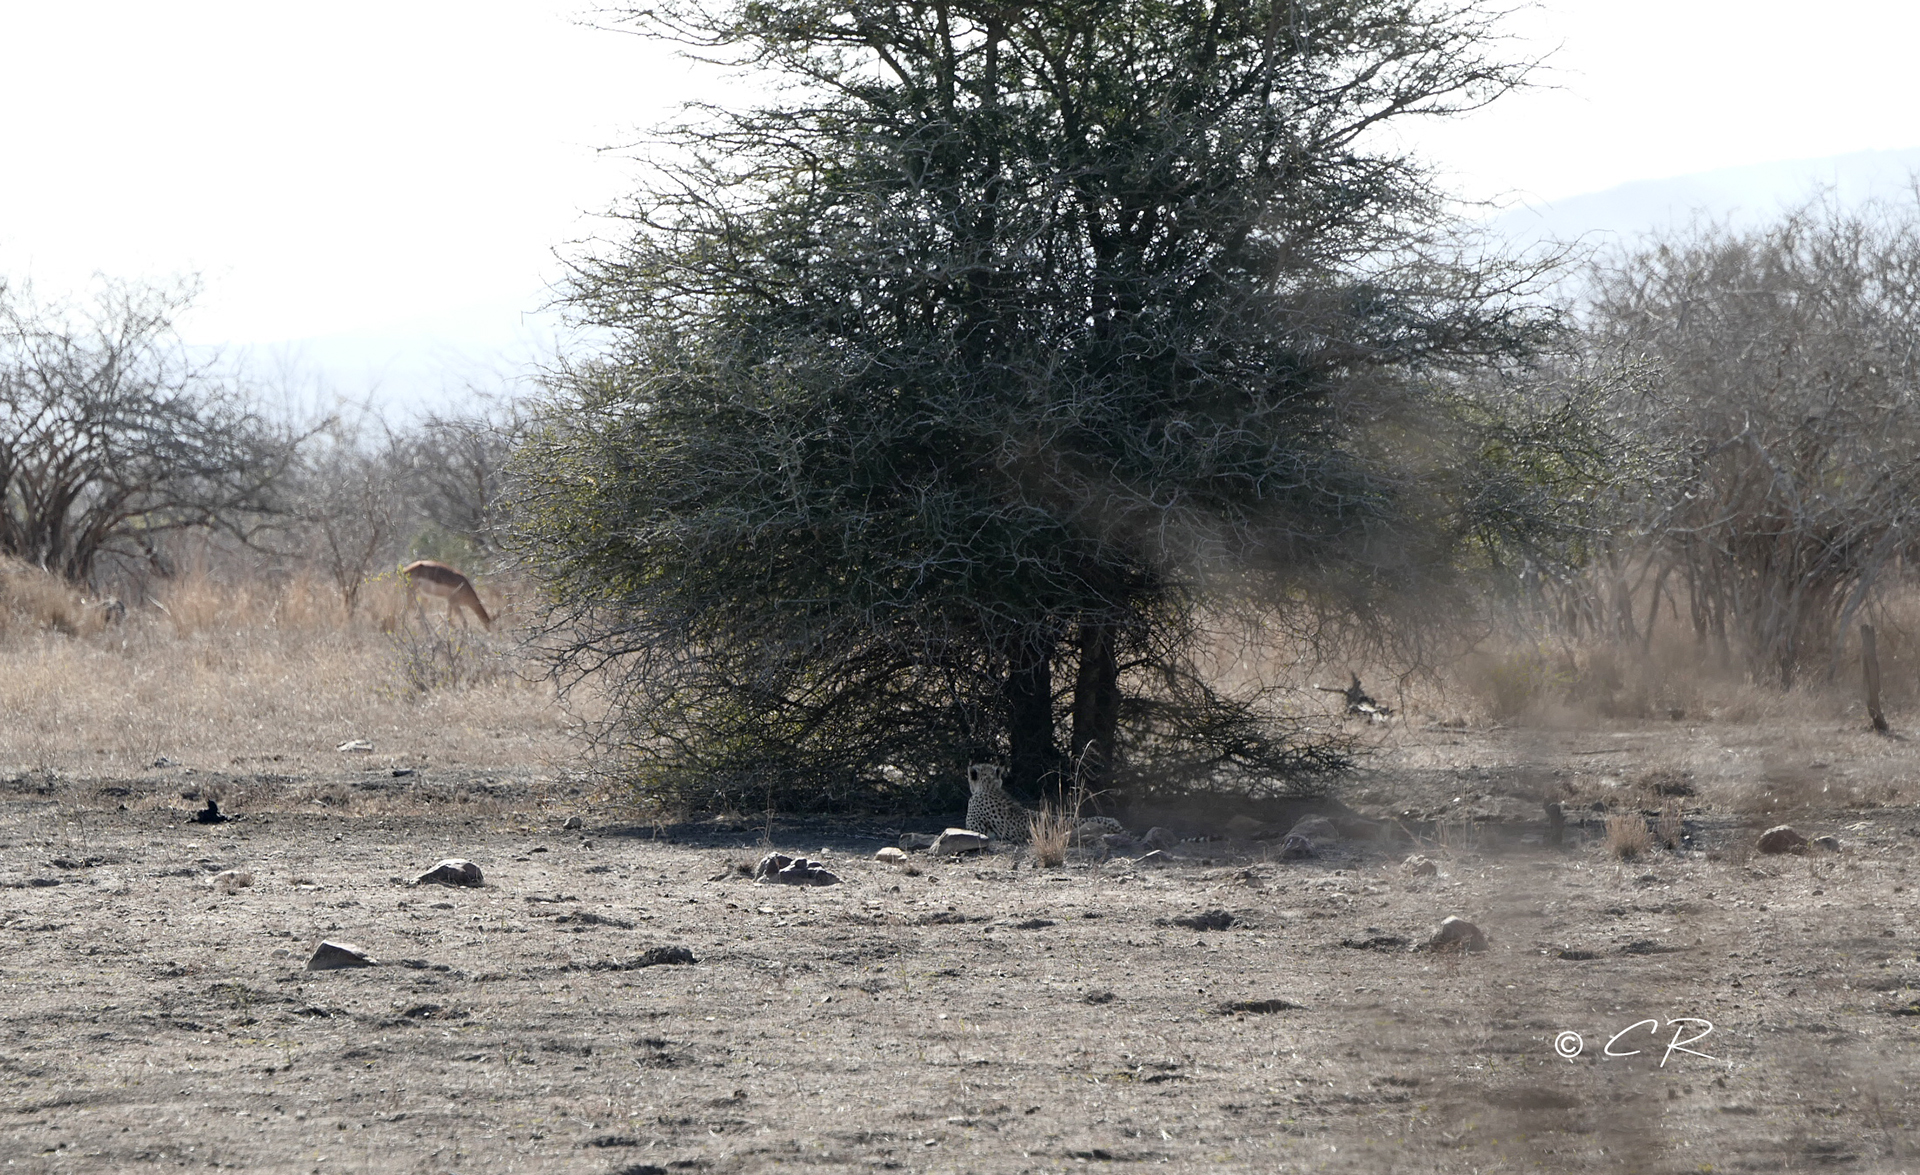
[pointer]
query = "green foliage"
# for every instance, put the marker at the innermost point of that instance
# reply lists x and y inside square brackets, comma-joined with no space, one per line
[949,396]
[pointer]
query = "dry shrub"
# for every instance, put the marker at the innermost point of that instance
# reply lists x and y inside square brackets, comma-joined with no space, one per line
[1050,831]
[1627,837]
[34,599]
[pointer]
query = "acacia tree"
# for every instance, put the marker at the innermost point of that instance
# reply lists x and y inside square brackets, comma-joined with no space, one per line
[112,435]
[952,389]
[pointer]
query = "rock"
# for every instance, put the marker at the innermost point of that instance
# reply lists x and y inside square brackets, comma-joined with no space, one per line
[1457,934]
[891,856]
[355,746]
[452,871]
[1318,829]
[1782,838]
[917,842]
[1295,847]
[1258,1007]
[1210,920]
[1827,844]
[959,840]
[664,957]
[1245,827]
[230,881]
[1160,838]
[334,956]
[210,814]
[574,822]
[1419,866]
[782,869]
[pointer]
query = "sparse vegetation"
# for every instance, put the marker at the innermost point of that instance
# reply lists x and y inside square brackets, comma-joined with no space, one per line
[1627,837]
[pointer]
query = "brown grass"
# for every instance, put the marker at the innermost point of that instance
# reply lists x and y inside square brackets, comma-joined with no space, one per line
[1627,837]
[1049,833]
[259,678]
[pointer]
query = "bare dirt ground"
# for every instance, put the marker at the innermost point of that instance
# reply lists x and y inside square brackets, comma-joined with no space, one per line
[976,1015]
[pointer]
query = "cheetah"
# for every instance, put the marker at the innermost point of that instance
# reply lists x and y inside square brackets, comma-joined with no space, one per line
[992,811]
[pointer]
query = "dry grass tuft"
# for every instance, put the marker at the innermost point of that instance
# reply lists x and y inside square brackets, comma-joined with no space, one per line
[1049,833]
[1627,837]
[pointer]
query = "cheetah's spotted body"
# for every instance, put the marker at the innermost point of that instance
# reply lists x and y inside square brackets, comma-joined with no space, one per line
[992,811]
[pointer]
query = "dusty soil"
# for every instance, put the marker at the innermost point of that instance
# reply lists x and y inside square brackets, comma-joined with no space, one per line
[976,1015]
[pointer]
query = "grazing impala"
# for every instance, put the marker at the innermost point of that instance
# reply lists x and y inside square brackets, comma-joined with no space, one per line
[437,579]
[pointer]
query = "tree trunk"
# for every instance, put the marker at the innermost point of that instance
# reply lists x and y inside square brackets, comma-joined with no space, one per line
[1870,669]
[1032,753]
[1096,705]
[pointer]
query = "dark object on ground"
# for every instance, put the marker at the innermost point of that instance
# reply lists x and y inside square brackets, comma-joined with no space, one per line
[1098,997]
[1257,1007]
[210,814]
[1782,838]
[1210,920]
[1556,824]
[1457,934]
[335,956]
[452,871]
[1295,848]
[1357,700]
[1378,942]
[785,870]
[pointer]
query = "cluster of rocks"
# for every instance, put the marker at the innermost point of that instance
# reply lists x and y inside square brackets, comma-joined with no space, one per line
[781,869]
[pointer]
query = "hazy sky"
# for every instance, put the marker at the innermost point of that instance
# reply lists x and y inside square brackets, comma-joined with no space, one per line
[358,165]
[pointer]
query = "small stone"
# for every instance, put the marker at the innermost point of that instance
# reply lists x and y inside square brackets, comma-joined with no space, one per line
[334,956]
[1318,829]
[1827,844]
[955,841]
[1782,838]
[1419,866]
[1295,847]
[575,822]
[452,871]
[891,856]
[355,746]
[1457,934]
[230,881]
[917,842]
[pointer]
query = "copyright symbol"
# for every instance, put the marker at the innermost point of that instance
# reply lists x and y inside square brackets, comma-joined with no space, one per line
[1568,1044]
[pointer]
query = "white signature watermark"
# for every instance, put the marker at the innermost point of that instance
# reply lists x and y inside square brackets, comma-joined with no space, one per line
[1572,1044]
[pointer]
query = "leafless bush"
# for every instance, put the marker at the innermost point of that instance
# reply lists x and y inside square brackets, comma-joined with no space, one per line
[1778,406]
[113,434]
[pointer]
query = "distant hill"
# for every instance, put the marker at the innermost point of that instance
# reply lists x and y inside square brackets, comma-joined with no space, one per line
[1738,196]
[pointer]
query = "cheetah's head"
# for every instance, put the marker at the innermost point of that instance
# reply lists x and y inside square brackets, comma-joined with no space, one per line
[984,777]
